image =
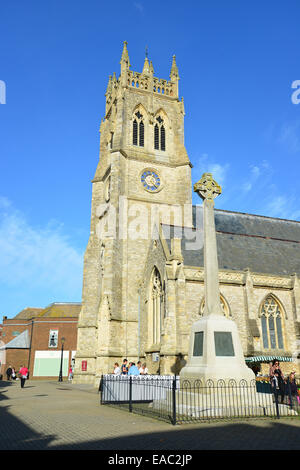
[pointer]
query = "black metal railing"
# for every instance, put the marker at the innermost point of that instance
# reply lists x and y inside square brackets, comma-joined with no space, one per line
[177,400]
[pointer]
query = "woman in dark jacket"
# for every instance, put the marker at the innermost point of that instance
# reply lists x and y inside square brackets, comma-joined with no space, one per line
[292,389]
[277,379]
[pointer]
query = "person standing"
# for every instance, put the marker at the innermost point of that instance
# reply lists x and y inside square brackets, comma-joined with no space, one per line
[117,370]
[70,373]
[277,379]
[133,370]
[292,389]
[124,368]
[143,370]
[24,374]
[8,372]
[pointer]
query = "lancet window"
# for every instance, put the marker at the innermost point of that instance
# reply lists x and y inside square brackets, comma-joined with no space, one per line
[138,130]
[159,134]
[155,307]
[271,323]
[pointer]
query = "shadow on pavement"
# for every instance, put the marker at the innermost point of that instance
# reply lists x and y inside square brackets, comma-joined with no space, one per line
[229,437]
[16,434]
[275,436]
[4,384]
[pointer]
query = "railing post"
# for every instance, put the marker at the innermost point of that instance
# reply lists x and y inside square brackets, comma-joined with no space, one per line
[130,394]
[174,401]
[101,388]
[276,402]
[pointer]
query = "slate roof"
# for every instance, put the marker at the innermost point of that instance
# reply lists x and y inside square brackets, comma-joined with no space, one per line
[262,244]
[54,310]
[58,309]
[22,341]
[28,313]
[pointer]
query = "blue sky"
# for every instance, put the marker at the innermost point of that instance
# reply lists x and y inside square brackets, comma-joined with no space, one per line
[237,61]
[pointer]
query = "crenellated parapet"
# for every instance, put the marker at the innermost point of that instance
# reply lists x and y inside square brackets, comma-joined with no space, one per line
[143,81]
[154,84]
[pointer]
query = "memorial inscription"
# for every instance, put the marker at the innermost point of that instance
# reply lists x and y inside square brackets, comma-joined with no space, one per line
[223,343]
[198,344]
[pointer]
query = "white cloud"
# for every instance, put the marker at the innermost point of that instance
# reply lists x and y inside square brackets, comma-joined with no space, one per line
[139,7]
[205,165]
[37,258]
[290,136]
[255,171]
[247,186]
[283,207]
[262,170]
[4,202]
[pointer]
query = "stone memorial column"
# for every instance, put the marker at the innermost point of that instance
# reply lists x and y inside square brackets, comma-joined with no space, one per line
[208,190]
[215,350]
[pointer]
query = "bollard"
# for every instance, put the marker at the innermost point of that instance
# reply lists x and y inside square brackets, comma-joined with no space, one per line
[130,394]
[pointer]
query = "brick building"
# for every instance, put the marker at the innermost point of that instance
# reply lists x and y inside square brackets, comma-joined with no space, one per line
[34,338]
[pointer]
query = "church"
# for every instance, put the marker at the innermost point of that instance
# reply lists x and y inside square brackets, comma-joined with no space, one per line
[143,278]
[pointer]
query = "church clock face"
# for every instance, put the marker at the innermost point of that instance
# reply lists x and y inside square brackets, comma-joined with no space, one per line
[151,181]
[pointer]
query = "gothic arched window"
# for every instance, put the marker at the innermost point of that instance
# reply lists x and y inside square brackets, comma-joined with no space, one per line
[155,308]
[138,127]
[135,133]
[224,307]
[271,323]
[156,137]
[159,134]
[141,134]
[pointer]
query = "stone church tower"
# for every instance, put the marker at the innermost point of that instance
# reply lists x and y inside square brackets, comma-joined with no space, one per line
[143,177]
[143,279]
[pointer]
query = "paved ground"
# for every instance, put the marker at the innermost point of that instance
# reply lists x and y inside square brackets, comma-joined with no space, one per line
[54,416]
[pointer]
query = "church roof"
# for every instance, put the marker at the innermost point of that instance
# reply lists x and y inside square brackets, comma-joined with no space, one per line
[262,244]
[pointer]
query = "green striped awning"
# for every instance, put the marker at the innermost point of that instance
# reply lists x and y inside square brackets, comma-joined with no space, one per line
[268,358]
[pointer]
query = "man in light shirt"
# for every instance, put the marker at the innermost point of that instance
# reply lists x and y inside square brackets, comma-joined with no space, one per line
[133,370]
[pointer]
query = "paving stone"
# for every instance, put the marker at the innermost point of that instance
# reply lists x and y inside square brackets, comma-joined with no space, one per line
[50,416]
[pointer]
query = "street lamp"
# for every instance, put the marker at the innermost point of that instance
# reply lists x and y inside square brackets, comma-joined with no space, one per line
[60,379]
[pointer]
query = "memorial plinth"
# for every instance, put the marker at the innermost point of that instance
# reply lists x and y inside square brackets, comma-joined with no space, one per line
[215,350]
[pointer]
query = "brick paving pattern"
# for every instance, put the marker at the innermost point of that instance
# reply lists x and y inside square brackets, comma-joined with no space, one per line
[55,416]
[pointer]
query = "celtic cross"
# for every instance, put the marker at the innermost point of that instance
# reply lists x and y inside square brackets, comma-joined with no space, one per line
[207,187]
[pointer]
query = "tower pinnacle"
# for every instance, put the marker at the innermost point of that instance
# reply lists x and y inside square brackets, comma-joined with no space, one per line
[174,70]
[146,68]
[125,57]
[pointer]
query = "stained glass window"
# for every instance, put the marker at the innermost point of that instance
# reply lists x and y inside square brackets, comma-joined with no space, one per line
[271,324]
